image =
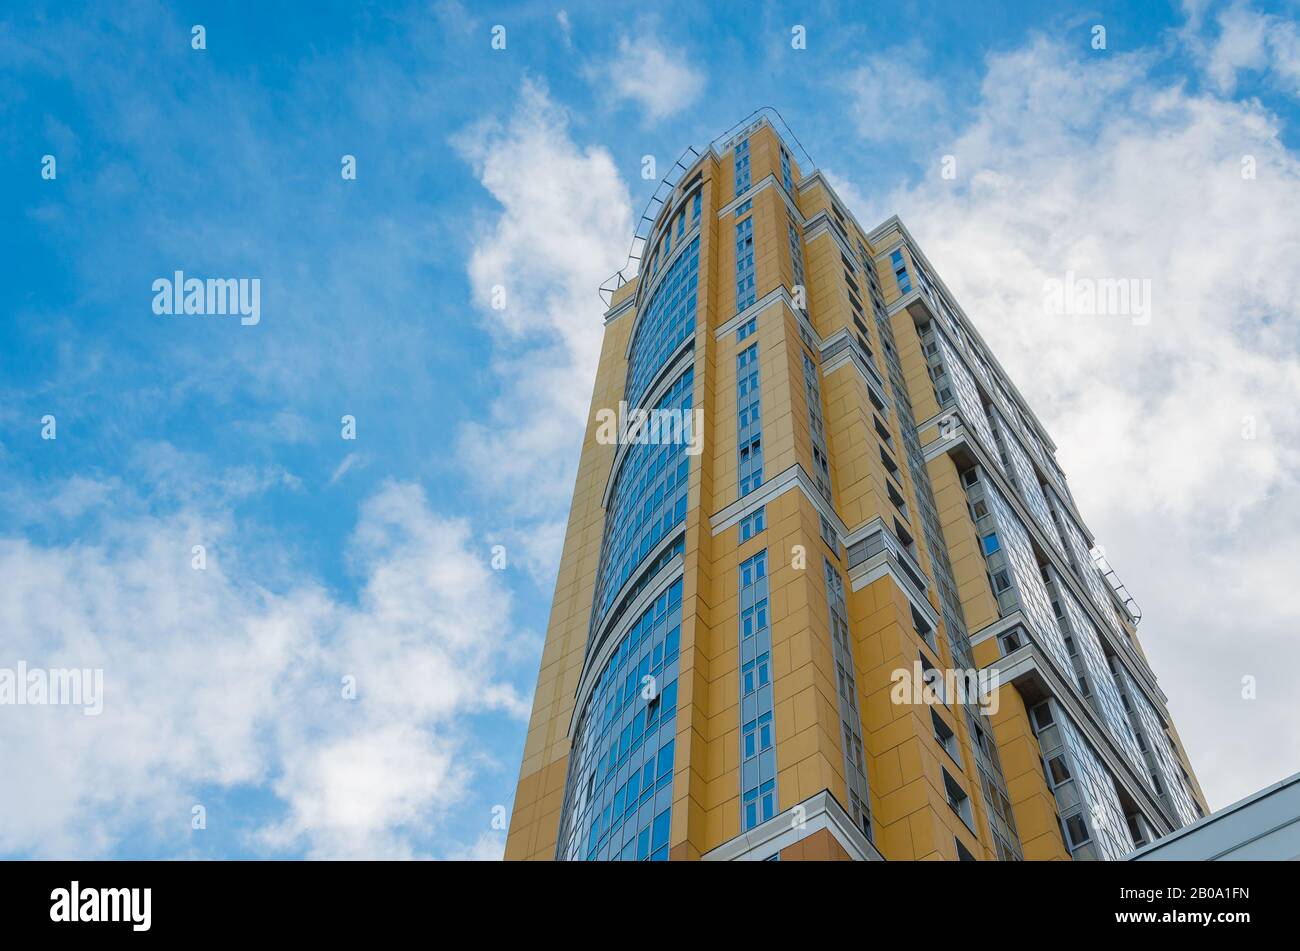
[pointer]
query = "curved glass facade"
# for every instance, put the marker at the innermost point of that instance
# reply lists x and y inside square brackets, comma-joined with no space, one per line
[668,319]
[618,800]
[648,501]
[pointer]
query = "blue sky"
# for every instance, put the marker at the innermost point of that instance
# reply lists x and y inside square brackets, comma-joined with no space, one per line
[521,168]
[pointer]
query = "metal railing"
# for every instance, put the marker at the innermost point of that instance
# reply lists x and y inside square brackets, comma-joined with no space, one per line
[650,214]
[1117,586]
[668,185]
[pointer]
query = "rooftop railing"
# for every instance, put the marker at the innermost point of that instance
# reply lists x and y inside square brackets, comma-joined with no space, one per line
[689,158]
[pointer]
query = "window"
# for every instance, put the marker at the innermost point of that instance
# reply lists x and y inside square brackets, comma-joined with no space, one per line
[668,320]
[796,255]
[883,433]
[757,735]
[747,329]
[852,746]
[847,690]
[855,776]
[758,756]
[905,539]
[623,746]
[829,535]
[752,524]
[957,798]
[1076,832]
[922,627]
[979,509]
[760,804]
[821,469]
[748,421]
[963,853]
[647,503]
[1058,770]
[744,207]
[896,497]
[890,465]
[1136,831]
[755,674]
[944,735]
[1042,715]
[991,543]
[931,678]
[745,290]
[751,466]
[741,163]
[695,208]
[900,272]
[659,838]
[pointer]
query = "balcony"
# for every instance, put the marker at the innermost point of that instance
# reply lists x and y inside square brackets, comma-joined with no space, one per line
[873,549]
[844,347]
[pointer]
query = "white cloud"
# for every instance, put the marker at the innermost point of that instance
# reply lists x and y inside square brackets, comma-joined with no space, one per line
[847,190]
[1088,165]
[488,847]
[350,461]
[892,96]
[1256,42]
[645,71]
[564,227]
[211,680]
[1240,45]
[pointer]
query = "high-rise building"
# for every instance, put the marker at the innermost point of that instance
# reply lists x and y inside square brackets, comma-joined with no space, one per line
[832,598]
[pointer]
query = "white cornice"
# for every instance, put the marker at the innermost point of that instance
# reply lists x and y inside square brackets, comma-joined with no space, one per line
[787,480]
[817,812]
[618,310]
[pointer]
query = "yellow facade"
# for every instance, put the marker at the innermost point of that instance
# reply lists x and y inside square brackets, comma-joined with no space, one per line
[927,796]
